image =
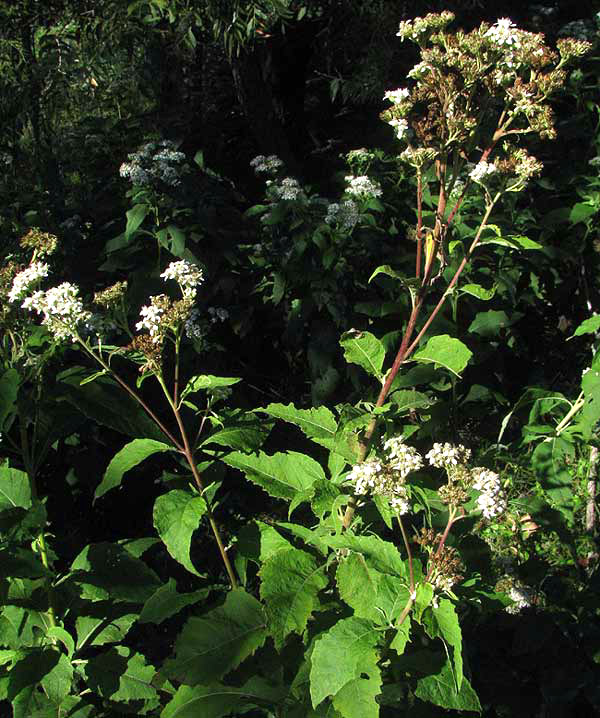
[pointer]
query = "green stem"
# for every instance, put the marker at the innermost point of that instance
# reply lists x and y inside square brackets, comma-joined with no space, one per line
[579,402]
[409,553]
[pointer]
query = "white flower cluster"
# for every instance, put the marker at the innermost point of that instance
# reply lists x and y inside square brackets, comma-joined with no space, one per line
[396,96]
[447,455]
[26,279]
[362,187]
[521,595]
[194,328]
[288,189]
[152,316]
[266,164]
[187,275]
[503,33]
[482,170]
[154,162]
[401,126]
[345,214]
[62,310]
[218,314]
[491,500]
[403,458]
[419,70]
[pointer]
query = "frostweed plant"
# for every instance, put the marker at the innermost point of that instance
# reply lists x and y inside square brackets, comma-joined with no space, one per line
[154,164]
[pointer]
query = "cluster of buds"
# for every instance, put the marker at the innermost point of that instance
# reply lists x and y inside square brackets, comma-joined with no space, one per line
[522,596]
[154,164]
[495,66]
[43,244]
[444,567]
[344,214]
[112,296]
[362,187]
[268,165]
[286,189]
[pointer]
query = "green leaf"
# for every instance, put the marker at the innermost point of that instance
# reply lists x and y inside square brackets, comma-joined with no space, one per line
[445,351]
[15,490]
[415,376]
[242,431]
[442,622]
[590,413]
[581,212]
[166,602]
[476,290]
[407,400]
[9,386]
[21,563]
[45,667]
[215,644]
[217,701]
[59,634]
[423,600]
[413,285]
[364,349]
[119,674]
[129,456]
[439,689]
[358,586]
[549,462]
[107,571]
[402,636]
[589,326]
[202,382]
[176,516]
[489,324]
[135,216]
[282,476]
[381,555]
[525,242]
[177,244]
[357,698]
[290,582]
[103,622]
[316,423]
[341,655]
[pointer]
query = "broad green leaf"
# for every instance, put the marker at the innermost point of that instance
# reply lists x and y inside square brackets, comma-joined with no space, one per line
[15,490]
[21,563]
[442,622]
[57,683]
[590,413]
[177,243]
[282,476]
[342,655]
[202,382]
[581,212]
[120,674]
[259,541]
[290,582]
[380,555]
[103,622]
[490,323]
[413,285]
[422,601]
[316,423]
[525,242]
[406,400]
[166,602]
[589,326]
[392,597]
[364,349]
[358,586]
[217,701]
[9,385]
[245,433]
[45,667]
[129,456]
[415,376]
[549,462]
[357,698]
[105,571]
[213,645]
[446,351]
[177,515]
[439,689]
[476,290]
[135,216]
[21,627]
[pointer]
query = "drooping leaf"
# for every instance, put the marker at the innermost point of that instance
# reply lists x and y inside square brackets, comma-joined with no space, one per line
[129,456]
[177,515]
[45,667]
[476,290]
[549,463]
[490,323]
[408,400]
[166,602]
[21,563]
[380,555]
[581,212]
[290,582]
[282,476]
[121,674]
[135,216]
[358,586]
[9,386]
[243,431]
[364,349]
[440,690]
[446,351]
[590,412]
[103,622]
[357,698]
[442,622]
[15,490]
[211,646]
[342,655]
[402,636]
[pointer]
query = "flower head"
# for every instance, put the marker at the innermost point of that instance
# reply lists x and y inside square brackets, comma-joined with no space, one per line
[187,275]
[62,310]
[26,279]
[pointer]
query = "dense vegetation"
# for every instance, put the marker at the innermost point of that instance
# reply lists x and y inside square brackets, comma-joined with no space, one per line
[299,392]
